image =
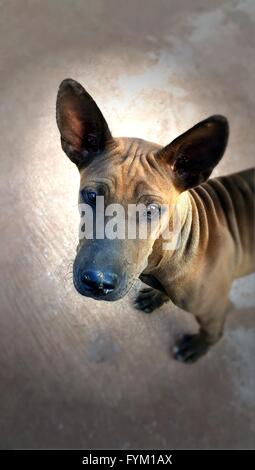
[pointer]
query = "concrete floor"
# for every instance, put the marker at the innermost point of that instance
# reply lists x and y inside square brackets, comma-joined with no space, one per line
[75,372]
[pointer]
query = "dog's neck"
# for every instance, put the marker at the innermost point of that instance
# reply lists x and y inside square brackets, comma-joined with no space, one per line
[178,252]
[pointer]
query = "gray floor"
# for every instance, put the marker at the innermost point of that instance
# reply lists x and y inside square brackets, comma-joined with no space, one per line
[75,372]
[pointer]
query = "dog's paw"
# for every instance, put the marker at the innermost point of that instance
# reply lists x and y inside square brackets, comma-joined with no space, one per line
[190,347]
[149,299]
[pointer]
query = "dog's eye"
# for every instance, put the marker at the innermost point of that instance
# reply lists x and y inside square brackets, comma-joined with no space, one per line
[152,210]
[89,197]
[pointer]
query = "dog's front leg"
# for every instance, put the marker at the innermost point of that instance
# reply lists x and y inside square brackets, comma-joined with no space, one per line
[149,299]
[189,348]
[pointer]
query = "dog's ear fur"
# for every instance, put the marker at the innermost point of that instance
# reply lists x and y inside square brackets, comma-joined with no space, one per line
[83,129]
[193,155]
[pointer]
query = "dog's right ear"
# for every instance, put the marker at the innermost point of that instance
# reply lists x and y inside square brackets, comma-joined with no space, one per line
[83,129]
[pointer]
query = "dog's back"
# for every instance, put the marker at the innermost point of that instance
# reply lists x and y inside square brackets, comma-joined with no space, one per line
[235,193]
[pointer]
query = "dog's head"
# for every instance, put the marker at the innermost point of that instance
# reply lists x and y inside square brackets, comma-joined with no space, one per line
[139,176]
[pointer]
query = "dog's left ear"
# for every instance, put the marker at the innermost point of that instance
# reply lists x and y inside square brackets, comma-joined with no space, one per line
[193,155]
[83,129]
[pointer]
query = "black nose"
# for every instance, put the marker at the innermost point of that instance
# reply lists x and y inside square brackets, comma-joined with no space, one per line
[99,282]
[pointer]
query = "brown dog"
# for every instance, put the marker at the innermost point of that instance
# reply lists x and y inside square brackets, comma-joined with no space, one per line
[216,229]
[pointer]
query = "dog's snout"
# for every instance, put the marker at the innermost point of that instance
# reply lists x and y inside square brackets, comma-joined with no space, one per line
[99,282]
[99,270]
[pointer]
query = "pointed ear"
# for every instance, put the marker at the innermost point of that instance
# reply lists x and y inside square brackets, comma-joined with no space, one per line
[83,128]
[193,155]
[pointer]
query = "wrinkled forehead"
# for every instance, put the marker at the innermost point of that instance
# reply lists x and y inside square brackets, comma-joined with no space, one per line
[130,170]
